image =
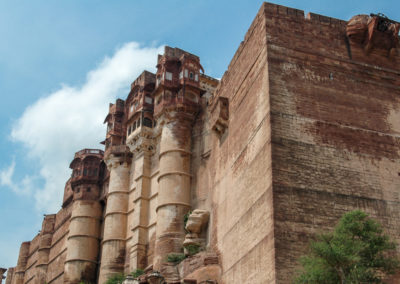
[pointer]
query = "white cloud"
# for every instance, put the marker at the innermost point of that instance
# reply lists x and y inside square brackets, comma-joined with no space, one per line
[6,179]
[7,174]
[55,127]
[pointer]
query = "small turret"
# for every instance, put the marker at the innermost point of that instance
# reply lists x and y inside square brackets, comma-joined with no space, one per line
[115,126]
[177,82]
[140,104]
[87,174]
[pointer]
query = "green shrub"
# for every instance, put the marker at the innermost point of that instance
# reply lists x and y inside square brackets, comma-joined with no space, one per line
[356,251]
[175,257]
[116,279]
[192,249]
[137,273]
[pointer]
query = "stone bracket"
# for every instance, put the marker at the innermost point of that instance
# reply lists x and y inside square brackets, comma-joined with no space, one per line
[220,116]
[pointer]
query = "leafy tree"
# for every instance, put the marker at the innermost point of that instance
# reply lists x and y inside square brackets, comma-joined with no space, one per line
[357,251]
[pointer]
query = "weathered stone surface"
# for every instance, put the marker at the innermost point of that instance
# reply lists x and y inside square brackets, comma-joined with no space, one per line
[197,220]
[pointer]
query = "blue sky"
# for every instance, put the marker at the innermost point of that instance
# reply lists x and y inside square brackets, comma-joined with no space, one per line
[61,62]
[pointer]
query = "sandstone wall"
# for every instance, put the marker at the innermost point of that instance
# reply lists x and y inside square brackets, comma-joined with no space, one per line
[30,270]
[35,265]
[58,250]
[335,131]
[238,171]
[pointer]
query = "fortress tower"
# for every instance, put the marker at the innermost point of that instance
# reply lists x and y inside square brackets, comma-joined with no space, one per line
[118,159]
[84,229]
[177,97]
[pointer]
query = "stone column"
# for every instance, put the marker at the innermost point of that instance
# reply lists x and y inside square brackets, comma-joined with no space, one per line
[174,186]
[115,219]
[46,235]
[83,242]
[140,218]
[2,271]
[19,273]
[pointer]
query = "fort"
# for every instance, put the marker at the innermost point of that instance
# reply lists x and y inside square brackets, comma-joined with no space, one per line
[234,177]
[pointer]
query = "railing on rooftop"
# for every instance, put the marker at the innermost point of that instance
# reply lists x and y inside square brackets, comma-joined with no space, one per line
[89,151]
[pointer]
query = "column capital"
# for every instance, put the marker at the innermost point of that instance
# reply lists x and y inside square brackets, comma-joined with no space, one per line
[142,143]
[117,155]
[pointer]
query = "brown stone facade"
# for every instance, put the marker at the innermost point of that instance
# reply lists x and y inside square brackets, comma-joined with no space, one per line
[235,175]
